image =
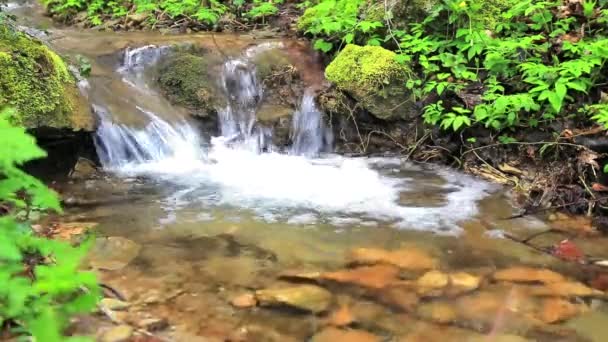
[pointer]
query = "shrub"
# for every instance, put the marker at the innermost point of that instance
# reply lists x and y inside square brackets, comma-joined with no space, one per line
[41,286]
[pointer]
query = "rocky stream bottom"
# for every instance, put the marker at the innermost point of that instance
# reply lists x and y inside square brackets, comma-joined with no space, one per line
[176,271]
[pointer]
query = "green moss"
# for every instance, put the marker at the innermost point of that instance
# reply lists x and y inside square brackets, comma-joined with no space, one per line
[373,77]
[36,82]
[183,77]
[307,19]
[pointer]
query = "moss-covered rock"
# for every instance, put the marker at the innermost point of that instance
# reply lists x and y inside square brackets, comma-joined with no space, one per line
[373,77]
[36,82]
[184,78]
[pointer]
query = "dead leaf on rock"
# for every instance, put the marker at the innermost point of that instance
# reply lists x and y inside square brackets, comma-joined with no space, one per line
[588,157]
[522,274]
[375,277]
[65,231]
[567,250]
[407,259]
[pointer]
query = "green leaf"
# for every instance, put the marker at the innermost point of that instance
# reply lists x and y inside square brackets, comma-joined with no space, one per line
[322,45]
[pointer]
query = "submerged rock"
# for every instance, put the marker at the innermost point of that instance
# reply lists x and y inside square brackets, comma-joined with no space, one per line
[113,253]
[374,277]
[36,82]
[521,274]
[83,169]
[373,77]
[120,333]
[353,335]
[407,259]
[304,297]
[246,300]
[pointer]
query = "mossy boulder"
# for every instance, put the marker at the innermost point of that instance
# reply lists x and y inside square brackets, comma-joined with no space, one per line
[374,78]
[36,82]
[184,77]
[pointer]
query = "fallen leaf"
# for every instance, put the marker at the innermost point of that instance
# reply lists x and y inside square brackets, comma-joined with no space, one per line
[600,282]
[597,187]
[567,250]
[588,157]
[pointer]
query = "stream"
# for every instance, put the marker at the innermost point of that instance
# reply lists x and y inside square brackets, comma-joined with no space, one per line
[191,219]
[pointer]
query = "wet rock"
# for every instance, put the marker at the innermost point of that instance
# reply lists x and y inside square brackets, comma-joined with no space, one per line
[374,277]
[462,282]
[84,169]
[113,253]
[153,324]
[528,275]
[333,335]
[342,317]
[113,304]
[500,338]
[566,289]
[304,297]
[438,312]
[432,283]
[556,310]
[407,259]
[120,333]
[246,300]
[399,297]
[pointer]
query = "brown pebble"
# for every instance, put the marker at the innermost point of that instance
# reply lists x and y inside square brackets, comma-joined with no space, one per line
[246,300]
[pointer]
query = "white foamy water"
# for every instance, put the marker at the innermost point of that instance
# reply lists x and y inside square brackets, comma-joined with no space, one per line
[301,187]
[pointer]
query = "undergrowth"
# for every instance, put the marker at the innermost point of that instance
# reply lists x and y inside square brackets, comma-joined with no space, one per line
[542,61]
[207,12]
[41,286]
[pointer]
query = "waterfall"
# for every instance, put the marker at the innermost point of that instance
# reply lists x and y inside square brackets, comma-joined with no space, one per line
[310,135]
[119,145]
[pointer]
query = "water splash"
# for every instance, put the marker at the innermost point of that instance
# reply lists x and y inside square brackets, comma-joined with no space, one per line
[121,147]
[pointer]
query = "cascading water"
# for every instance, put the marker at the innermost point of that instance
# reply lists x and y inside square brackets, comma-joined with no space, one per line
[310,134]
[241,168]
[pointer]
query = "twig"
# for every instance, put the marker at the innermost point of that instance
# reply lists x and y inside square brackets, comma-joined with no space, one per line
[539,210]
[522,143]
[113,291]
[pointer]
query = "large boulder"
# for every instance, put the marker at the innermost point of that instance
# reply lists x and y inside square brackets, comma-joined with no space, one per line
[374,78]
[36,82]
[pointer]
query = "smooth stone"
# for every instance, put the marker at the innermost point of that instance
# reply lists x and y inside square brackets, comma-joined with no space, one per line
[246,300]
[305,297]
[334,335]
[113,253]
[153,324]
[113,304]
[120,333]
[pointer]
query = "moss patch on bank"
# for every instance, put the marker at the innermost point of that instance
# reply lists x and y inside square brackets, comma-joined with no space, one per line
[372,75]
[36,82]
